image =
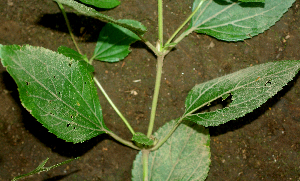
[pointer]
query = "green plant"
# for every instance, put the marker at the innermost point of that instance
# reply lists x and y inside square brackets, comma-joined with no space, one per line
[76,121]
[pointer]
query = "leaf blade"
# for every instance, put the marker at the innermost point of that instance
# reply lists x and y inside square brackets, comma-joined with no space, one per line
[236,21]
[114,42]
[185,155]
[93,13]
[58,91]
[102,3]
[250,88]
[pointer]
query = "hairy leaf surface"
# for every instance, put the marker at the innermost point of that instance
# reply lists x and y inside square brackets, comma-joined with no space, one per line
[114,42]
[102,3]
[58,91]
[137,27]
[235,21]
[184,156]
[249,88]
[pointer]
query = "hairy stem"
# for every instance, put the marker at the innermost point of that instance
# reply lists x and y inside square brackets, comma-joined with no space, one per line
[121,140]
[68,25]
[114,107]
[145,157]
[160,60]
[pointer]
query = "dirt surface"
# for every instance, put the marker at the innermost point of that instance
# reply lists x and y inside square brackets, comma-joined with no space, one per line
[263,145]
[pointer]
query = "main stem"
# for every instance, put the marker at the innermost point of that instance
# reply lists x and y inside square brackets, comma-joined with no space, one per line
[160,25]
[145,158]
[160,60]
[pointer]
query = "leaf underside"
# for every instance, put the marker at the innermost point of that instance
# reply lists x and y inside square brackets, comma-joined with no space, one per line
[114,42]
[184,156]
[249,88]
[102,3]
[235,21]
[136,27]
[58,91]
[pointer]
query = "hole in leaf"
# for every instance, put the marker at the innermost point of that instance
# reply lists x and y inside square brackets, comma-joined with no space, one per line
[51,113]
[268,83]
[54,76]
[84,82]
[68,124]
[27,83]
[71,116]
[70,64]
[219,103]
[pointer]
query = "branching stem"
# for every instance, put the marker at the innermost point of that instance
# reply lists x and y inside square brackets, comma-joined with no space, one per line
[121,140]
[184,23]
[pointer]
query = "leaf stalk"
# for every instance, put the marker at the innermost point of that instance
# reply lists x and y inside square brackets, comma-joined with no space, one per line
[114,106]
[68,25]
[145,157]
[183,24]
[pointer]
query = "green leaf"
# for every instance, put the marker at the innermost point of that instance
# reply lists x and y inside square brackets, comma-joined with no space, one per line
[93,13]
[42,168]
[142,139]
[102,3]
[262,1]
[236,21]
[114,42]
[68,52]
[249,88]
[58,91]
[184,156]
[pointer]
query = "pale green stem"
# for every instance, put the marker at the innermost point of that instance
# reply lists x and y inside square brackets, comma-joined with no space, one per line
[145,157]
[114,107]
[160,24]
[124,142]
[185,22]
[68,25]
[160,60]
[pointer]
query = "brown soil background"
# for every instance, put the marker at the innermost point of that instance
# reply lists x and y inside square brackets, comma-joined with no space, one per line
[263,145]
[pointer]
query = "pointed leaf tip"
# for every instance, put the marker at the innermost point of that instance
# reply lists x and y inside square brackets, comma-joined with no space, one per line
[249,88]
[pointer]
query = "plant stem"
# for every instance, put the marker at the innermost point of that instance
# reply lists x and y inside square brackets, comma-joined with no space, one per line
[145,156]
[68,25]
[160,24]
[185,22]
[160,60]
[114,107]
[121,140]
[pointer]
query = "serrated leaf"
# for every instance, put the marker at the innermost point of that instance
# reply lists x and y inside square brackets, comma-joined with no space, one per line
[93,13]
[141,138]
[58,91]
[250,88]
[113,43]
[235,21]
[184,156]
[42,168]
[102,3]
